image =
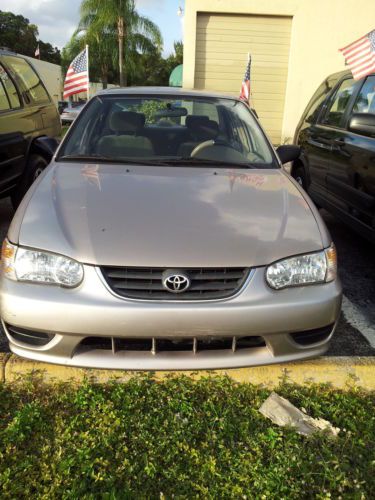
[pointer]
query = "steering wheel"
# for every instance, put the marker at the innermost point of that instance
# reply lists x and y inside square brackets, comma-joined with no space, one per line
[234,154]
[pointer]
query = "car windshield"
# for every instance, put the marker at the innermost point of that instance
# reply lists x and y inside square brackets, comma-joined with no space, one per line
[156,130]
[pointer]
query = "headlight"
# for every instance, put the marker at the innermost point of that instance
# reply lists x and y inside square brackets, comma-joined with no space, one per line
[319,267]
[23,264]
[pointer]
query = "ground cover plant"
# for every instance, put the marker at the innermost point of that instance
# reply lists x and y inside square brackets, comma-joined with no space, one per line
[180,438]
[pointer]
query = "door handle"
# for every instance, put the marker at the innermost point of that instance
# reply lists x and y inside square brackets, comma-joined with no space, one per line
[339,142]
[319,143]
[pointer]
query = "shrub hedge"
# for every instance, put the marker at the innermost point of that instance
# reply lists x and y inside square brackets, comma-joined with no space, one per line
[179,438]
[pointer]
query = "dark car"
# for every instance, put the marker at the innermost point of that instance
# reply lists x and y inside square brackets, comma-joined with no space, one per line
[337,137]
[61,105]
[29,125]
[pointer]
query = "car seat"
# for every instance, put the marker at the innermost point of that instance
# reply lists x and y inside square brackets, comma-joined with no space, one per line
[127,140]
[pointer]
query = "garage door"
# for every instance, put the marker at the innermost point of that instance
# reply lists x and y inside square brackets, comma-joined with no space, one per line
[222,44]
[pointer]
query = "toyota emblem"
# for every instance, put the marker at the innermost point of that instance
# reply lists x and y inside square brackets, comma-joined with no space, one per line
[175,281]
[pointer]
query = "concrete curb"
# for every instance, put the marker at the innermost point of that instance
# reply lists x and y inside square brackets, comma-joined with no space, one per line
[340,372]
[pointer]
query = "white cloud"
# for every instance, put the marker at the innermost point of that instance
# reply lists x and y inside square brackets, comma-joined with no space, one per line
[56,20]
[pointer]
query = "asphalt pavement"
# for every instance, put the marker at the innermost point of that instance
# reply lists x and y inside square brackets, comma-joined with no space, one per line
[355,333]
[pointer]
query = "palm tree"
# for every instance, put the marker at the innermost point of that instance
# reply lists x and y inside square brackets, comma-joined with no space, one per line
[133,31]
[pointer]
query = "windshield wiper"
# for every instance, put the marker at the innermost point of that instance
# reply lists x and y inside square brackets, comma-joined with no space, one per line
[155,161]
[107,159]
[85,157]
[205,161]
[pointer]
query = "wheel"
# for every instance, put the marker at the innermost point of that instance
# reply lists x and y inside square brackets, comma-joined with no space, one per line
[300,176]
[34,167]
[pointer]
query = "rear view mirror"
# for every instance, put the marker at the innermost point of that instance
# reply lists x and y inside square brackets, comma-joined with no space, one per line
[288,153]
[363,124]
[171,112]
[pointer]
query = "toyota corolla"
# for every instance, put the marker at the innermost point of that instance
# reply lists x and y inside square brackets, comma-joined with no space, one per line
[165,234]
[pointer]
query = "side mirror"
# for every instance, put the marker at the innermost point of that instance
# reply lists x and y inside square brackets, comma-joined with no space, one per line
[48,145]
[288,153]
[363,124]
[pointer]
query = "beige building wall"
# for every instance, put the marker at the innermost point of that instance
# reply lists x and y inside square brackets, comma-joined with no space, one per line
[318,29]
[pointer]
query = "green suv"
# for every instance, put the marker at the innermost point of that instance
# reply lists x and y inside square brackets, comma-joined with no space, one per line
[29,125]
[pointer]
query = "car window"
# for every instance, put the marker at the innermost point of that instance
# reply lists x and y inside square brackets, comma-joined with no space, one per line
[365,102]
[163,127]
[10,88]
[314,106]
[4,103]
[22,70]
[339,103]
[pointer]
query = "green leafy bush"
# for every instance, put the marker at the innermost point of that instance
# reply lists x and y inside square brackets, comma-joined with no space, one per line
[180,438]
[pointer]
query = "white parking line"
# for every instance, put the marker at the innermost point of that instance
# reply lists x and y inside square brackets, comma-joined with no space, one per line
[358,320]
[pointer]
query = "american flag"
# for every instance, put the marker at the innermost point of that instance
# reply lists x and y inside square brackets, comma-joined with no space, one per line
[77,76]
[91,173]
[360,55]
[245,88]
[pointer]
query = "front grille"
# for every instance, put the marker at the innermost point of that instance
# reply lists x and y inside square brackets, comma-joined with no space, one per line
[30,337]
[156,345]
[146,282]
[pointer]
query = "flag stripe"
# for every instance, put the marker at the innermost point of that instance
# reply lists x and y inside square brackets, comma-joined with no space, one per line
[360,55]
[75,75]
[352,59]
[75,82]
[353,44]
[365,70]
[364,62]
[355,47]
[75,90]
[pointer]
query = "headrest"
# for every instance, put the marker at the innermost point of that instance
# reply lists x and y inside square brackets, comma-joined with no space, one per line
[193,121]
[124,122]
[208,130]
[201,127]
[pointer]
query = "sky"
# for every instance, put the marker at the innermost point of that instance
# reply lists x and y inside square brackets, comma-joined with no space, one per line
[57,19]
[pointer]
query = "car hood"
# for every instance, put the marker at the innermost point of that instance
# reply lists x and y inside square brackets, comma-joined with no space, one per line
[166,216]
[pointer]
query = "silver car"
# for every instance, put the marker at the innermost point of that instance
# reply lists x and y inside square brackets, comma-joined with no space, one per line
[165,234]
[70,114]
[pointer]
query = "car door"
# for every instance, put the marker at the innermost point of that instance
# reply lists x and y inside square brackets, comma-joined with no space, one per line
[357,154]
[330,166]
[13,145]
[313,139]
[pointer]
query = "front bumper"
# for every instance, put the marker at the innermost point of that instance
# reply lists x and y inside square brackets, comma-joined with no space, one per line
[92,310]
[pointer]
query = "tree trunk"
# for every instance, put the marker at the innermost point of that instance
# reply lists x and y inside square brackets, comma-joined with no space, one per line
[104,76]
[120,32]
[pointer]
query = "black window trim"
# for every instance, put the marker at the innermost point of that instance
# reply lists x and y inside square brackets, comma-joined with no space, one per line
[349,112]
[349,106]
[20,100]
[7,98]
[322,105]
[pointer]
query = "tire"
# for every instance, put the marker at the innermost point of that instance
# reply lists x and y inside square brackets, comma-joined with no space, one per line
[34,167]
[300,176]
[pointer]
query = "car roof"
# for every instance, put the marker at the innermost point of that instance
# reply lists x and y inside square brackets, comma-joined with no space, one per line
[167,91]
[346,72]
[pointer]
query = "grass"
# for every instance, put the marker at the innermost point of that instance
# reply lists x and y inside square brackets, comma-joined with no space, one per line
[64,130]
[180,439]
